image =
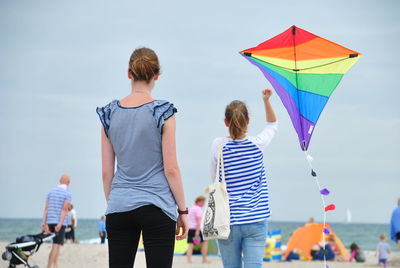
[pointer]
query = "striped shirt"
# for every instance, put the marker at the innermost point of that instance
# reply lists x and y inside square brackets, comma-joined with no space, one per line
[245,175]
[56,199]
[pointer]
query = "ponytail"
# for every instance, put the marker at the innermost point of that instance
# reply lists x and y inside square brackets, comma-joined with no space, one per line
[237,116]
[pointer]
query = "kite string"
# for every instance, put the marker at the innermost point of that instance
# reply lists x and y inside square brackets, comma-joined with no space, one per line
[309,160]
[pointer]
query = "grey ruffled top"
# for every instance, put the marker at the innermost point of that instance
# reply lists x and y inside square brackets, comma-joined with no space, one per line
[135,134]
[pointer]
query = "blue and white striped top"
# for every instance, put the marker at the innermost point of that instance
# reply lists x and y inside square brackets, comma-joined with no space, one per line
[245,175]
[56,199]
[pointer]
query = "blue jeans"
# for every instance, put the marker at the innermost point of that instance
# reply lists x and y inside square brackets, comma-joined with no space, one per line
[247,240]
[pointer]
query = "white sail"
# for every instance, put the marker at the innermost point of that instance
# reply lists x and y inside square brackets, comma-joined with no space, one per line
[348,216]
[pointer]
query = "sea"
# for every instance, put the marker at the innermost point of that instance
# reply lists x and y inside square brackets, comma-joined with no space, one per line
[366,235]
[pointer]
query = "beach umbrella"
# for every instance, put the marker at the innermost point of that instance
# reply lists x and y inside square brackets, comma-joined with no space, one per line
[304,69]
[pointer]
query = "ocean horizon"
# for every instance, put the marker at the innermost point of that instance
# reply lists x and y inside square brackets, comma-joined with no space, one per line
[366,235]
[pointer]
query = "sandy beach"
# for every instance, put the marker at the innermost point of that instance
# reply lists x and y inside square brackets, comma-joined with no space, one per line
[95,256]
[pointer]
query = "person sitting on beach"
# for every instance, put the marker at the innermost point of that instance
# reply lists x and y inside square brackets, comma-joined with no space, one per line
[194,235]
[145,193]
[356,253]
[335,248]
[55,217]
[318,252]
[246,182]
[395,224]
[382,251]
[102,229]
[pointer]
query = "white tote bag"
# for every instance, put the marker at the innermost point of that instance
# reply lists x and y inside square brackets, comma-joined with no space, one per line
[215,223]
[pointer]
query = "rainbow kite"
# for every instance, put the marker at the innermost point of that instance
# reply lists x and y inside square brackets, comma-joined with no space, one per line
[304,70]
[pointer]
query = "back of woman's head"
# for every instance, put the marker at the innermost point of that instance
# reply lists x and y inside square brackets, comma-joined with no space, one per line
[237,116]
[143,64]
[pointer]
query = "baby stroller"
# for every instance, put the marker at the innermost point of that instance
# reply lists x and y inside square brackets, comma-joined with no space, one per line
[25,246]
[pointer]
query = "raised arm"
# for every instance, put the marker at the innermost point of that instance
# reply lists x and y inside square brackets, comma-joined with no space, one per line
[107,162]
[264,138]
[270,114]
[173,174]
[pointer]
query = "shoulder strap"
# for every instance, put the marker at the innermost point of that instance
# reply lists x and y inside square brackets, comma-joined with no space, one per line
[220,163]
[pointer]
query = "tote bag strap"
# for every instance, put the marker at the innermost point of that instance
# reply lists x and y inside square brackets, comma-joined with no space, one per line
[220,163]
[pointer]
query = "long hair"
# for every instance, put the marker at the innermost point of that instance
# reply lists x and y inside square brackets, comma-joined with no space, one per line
[237,115]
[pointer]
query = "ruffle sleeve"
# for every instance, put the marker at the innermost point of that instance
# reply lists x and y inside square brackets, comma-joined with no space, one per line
[162,111]
[105,114]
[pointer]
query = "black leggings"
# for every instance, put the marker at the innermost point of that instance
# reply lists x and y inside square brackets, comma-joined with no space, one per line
[123,233]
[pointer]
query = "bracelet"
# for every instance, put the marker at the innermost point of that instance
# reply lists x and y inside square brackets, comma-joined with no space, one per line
[182,212]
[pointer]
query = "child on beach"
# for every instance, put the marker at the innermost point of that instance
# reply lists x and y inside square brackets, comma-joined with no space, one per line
[194,235]
[145,193]
[356,253]
[383,251]
[246,182]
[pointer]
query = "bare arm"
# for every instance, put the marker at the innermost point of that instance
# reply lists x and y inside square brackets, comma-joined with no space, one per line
[108,163]
[64,213]
[45,228]
[270,114]
[172,172]
[198,225]
[171,167]
[73,222]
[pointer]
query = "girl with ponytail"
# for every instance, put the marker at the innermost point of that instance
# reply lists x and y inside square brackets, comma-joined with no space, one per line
[246,182]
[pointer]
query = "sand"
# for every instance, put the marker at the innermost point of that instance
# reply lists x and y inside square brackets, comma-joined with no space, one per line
[96,256]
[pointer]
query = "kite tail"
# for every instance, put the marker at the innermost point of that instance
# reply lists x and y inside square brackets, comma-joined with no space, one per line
[323,192]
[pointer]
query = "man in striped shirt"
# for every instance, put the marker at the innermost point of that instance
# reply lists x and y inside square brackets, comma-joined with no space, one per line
[54,217]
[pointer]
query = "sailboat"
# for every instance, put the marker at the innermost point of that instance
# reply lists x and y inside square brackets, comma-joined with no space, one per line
[348,216]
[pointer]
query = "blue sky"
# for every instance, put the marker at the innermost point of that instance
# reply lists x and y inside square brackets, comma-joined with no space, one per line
[59,60]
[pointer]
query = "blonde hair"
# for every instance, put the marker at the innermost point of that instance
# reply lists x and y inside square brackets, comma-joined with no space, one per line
[143,64]
[237,115]
[382,237]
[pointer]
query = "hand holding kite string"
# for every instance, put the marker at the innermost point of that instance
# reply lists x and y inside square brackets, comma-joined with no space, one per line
[304,69]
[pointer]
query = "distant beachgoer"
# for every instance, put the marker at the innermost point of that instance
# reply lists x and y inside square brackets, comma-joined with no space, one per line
[102,229]
[335,248]
[74,220]
[246,181]
[382,251]
[194,235]
[71,221]
[310,221]
[143,195]
[55,217]
[395,224]
[356,253]
[318,252]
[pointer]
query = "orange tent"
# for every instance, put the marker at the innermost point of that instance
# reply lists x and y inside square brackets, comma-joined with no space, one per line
[307,236]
